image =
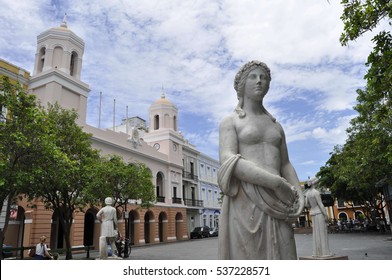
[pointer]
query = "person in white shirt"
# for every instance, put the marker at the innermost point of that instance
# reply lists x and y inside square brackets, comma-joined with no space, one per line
[42,250]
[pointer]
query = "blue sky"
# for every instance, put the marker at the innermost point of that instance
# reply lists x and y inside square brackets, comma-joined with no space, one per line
[192,49]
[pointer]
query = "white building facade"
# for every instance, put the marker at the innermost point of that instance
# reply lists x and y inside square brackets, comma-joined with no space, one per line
[210,193]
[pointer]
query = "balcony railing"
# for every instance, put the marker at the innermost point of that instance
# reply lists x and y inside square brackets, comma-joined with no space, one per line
[190,176]
[176,200]
[160,199]
[193,202]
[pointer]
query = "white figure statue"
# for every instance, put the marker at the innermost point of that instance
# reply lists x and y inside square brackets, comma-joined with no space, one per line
[319,223]
[108,217]
[135,137]
[262,195]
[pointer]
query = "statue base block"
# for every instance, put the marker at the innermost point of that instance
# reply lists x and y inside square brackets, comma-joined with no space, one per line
[324,258]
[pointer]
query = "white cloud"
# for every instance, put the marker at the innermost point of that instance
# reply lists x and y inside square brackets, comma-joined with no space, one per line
[309,162]
[335,135]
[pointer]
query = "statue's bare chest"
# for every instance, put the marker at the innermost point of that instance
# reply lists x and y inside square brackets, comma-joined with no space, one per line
[258,130]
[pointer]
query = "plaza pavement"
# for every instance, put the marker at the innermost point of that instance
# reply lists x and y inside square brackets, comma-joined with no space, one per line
[357,246]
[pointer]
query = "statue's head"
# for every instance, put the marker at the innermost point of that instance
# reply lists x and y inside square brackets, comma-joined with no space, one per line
[240,80]
[108,201]
[242,74]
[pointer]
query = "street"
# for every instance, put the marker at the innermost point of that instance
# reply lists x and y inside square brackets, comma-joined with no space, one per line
[357,246]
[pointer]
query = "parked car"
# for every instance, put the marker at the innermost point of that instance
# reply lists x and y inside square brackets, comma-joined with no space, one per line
[214,232]
[200,232]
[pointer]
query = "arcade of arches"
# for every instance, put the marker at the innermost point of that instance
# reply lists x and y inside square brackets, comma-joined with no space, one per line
[344,216]
[144,226]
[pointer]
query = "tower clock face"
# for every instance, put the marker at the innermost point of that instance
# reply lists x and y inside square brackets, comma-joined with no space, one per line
[157,146]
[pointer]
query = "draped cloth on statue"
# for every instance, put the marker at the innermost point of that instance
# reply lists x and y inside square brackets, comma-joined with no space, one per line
[253,224]
[320,235]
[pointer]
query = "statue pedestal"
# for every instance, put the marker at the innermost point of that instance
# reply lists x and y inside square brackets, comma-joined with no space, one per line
[324,258]
[103,248]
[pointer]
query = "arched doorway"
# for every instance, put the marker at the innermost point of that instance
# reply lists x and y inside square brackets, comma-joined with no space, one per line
[343,216]
[56,233]
[156,122]
[89,227]
[15,232]
[134,226]
[359,215]
[148,227]
[73,64]
[41,60]
[162,227]
[179,223]
[160,187]
[175,123]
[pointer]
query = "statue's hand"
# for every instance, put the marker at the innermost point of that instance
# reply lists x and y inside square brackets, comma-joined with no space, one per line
[286,192]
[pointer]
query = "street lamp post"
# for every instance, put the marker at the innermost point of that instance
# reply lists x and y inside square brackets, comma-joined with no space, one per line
[126,240]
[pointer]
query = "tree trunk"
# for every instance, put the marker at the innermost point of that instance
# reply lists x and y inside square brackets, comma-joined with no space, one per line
[67,224]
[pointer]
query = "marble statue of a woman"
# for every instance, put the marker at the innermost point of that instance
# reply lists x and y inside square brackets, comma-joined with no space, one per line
[320,221]
[262,195]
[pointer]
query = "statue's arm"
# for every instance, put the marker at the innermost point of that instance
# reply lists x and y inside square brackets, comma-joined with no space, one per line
[321,206]
[244,170]
[288,172]
[99,215]
[286,169]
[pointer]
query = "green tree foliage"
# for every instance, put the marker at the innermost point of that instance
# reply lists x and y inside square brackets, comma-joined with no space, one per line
[354,169]
[124,182]
[371,131]
[22,132]
[375,101]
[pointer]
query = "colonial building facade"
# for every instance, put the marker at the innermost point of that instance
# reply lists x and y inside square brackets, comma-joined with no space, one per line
[210,193]
[161,147]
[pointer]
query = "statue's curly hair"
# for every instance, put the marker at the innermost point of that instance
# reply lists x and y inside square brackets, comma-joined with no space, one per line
[239,83]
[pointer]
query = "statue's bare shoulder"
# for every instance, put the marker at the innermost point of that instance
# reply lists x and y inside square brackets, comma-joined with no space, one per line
[228,138]
[228,122]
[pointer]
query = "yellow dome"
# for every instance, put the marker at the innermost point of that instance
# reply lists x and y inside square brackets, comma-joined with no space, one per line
[61,28]
[163,100]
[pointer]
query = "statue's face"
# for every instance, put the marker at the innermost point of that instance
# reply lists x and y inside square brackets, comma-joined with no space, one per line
[257,84]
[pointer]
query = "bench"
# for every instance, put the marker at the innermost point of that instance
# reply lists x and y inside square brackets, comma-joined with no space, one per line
[58,251]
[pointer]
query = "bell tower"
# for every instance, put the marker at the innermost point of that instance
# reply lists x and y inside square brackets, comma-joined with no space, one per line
[163,115]
[163,132]
[57,69]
